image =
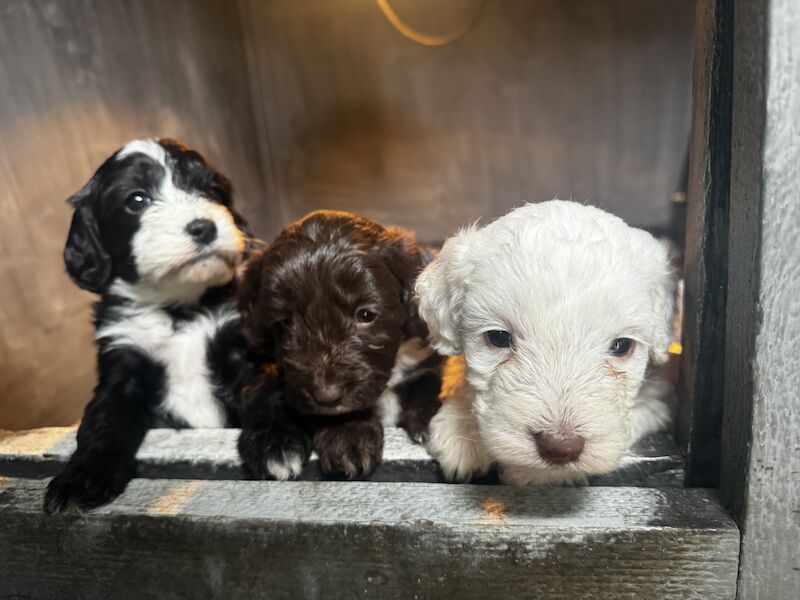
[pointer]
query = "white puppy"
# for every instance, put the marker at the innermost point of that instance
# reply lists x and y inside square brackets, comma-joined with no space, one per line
[557,308]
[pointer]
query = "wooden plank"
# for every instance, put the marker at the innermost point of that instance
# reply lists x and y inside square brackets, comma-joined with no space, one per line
[79,78]
[211,454]
[705,269]
[190,539]
[760,479]
[582,99]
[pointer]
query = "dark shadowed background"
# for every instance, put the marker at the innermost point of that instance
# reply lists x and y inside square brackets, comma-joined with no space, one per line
[321,104]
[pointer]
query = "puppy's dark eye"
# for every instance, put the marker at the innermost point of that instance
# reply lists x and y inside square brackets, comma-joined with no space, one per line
[137,202]
[499,338]
[621,347]
[364,315]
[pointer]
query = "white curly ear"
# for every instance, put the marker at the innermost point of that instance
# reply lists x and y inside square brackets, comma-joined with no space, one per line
[440,290]
[662,296]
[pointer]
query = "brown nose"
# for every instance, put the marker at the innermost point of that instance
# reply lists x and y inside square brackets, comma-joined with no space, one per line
[559,448]
[328,393]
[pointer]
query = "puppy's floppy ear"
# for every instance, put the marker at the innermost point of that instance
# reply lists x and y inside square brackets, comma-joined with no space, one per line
[662,296]
[88,262]
[440,289]
[256,331]
[405,260]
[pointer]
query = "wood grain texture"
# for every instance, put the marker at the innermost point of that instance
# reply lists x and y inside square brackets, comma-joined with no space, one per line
[358,540]
[212,454]
[761,454]
[705,269]
[79,78]
[575,99]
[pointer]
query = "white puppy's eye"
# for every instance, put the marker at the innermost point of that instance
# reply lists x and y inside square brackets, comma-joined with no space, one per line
[137,202]
[364,315]
[621,347]
[499,338]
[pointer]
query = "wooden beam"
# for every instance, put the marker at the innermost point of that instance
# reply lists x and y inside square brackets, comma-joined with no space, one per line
[211,454]
[760,478]
[201,539]
[706,263]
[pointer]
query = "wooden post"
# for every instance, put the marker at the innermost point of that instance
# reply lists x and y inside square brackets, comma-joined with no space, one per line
[706,252]
[760,476]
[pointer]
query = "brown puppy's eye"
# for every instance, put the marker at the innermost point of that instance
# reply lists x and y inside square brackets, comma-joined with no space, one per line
[364,315]
[621,347]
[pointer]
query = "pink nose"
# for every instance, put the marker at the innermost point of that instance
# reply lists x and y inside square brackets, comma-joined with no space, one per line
[559,448]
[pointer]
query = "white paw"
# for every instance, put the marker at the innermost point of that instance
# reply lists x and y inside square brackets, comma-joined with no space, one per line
[290,466]
[521,476]
[648,416]
[455,443]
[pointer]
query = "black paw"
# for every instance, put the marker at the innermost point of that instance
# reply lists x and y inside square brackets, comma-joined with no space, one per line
[86,487]
[274,454]
[419,404]
[352,449]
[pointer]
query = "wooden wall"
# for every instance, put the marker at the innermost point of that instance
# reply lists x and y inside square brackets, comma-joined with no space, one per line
[760,476]
[78,78]
[570,98]
[320,104]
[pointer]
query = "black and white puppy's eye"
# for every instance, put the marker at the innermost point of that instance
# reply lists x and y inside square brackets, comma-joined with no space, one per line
[499,338]
[365,315]
[621,347]
[137,202]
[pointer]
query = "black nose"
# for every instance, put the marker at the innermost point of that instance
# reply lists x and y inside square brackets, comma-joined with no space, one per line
[559,448]
[203,231]
[329,394]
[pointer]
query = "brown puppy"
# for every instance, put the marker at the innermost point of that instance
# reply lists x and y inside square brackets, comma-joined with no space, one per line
[331,303]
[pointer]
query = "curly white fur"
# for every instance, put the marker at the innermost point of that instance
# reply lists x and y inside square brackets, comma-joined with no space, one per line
[564,280]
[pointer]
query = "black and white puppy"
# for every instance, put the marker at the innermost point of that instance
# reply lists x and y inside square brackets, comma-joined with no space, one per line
[155,234]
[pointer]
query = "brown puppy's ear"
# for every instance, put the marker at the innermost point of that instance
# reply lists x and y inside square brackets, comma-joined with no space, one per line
[257,332]
[406,260]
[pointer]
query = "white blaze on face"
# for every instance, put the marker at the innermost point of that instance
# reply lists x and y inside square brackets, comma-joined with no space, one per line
[164,251]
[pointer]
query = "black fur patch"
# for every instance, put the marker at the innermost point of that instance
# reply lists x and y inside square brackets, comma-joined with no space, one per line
[131,383]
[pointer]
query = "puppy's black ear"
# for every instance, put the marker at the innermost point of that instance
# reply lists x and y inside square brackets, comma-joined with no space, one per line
[257,332]
[87,260]
[406,260]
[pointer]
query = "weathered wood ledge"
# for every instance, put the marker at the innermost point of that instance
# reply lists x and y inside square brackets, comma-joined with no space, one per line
[211,454]
[229,539]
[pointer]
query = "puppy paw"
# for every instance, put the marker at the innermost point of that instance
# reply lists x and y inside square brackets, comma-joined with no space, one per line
[274,454]
[417,426]
[649,414]
[85,487]
[522,476]
[419,404]
[352,449]
[455,443]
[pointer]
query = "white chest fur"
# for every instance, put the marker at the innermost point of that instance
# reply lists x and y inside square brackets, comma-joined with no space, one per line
[181,348]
